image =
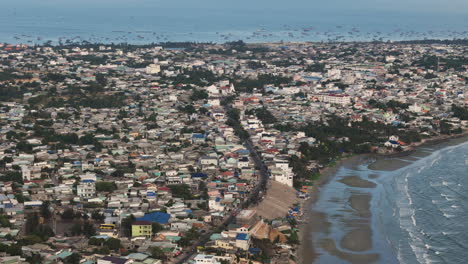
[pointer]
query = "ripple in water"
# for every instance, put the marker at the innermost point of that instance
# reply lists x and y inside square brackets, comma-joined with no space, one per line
[428,229]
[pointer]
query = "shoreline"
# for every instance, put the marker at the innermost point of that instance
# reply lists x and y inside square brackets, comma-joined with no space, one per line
[327,174]
[305,228]
[277,42]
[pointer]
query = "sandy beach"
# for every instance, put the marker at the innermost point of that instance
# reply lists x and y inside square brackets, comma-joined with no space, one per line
[315,221]
[352,246]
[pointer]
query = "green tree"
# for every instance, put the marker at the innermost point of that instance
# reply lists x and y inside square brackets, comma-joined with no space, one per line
[113,243]
[68,214]
[32,221]
[105,186]
[4,222]
[157,253]
[293,238]
[181,191]
[76,229]
[72,259]
[156,227]
[98,216]
[45,212]
[126,225]
[198,95]
[460,112]
[88,229]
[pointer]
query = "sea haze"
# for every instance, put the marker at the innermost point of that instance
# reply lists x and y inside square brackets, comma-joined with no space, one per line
[139,21]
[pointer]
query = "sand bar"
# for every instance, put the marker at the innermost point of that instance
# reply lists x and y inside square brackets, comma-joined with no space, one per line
[358,182]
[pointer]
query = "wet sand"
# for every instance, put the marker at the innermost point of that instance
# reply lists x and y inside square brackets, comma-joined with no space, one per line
[358,239]
[358,182]
[361,204]
[388,164]
[330,246]
[314,221]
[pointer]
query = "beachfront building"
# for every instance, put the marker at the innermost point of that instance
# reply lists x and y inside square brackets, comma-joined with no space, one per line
[282,173]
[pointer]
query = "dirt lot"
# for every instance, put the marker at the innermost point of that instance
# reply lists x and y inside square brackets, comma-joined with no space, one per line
[278,199]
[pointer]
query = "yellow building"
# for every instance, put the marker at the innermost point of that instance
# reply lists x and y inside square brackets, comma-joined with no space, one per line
[142,228]
[224,244]
[108,230]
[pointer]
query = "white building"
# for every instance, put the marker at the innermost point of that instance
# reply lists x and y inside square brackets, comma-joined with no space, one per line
[216,204]
[243,162]
[86,189]
[205,259]
[341,99]
[415,108]
[26,173]
[283,173]
[153,69]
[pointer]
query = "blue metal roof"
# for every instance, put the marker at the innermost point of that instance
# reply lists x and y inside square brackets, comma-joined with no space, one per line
[198,135]
[199,175]
[242,236]
[87,181]
[254,250]
[158,217]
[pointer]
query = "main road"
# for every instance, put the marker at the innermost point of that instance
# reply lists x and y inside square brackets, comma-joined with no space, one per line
[253,199]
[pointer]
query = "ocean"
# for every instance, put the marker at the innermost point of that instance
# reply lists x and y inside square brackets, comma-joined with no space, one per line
[428,221]
[418,213]
[35,22]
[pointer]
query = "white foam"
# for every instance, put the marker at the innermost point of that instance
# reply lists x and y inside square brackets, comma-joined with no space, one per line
[446,196]
[417,238]
[421,164]
[427,258]
[408,222]
[448,215]
[448,233]
[437,158]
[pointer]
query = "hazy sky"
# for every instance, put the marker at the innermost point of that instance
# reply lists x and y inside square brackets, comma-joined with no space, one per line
[440,7]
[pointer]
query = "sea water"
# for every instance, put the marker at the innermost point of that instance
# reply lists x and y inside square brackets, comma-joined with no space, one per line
[419,213]
[105,21]
[423,208]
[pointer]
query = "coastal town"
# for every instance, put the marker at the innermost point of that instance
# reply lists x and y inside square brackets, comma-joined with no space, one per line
[201,153]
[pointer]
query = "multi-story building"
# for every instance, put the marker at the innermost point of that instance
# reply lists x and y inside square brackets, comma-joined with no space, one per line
[142,228]
[86,189]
